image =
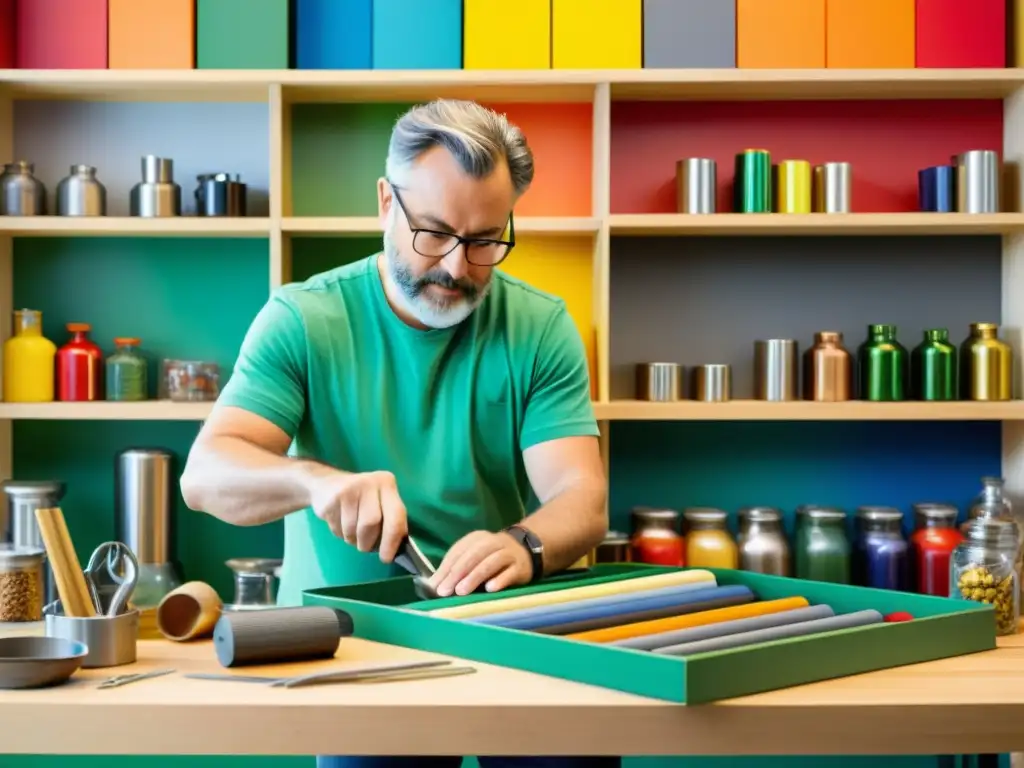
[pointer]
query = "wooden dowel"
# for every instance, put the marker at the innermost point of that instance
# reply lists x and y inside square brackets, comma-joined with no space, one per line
[67,570]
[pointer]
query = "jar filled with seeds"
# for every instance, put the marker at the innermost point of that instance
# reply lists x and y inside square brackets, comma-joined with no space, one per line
[985,567]
[21,583]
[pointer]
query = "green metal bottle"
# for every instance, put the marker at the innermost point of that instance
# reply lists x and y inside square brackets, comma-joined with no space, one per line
[882,364]
[933,367]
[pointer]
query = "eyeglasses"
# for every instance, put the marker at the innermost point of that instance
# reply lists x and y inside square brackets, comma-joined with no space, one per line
[479,251]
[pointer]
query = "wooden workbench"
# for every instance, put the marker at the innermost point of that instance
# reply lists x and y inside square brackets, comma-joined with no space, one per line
[967,704]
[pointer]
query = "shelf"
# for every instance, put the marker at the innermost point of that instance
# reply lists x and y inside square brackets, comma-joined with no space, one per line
[130,226]
[759,410]
[511,85]
[150,410]
[654,224]
[369,225]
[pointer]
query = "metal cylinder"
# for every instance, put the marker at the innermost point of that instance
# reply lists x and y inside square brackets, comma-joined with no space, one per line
[828,369]
[776,370]
[696,185]
[936,189]
[145,505]
[279,635]
[712,383]
[793,187]
[833,188]
[659,382]
[157,169]
[111,640]
[753,181]
[977,181]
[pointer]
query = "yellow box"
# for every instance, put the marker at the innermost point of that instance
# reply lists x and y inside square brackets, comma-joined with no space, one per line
[597,34]
[500,35]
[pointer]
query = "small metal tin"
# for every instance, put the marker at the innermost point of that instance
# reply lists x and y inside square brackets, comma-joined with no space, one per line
[776,370]
[712,383]
[696,185]
[833,188]
[659,382]
[111,640]
[936,189]
[977,181]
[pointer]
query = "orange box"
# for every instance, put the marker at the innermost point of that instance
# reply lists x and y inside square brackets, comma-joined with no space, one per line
[870,34]
[151,34]
[780,34]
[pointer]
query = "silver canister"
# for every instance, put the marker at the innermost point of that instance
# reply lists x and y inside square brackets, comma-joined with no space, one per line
[111,640]
[712,383]
[659,382]
[157,194]
[23,499]
[144,504]
[696,185]
[977,181]
[21,193]
[217,194]
[776,370]
[833,188]
[762,542]
[81,194]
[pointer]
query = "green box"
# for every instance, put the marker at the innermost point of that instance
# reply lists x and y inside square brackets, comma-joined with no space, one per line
[388,611]
[242,34]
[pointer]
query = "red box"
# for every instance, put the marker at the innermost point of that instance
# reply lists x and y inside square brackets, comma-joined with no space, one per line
[58,34]
[959,34]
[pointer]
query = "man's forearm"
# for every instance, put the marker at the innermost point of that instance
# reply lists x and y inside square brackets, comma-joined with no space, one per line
[243,484]
[571,524]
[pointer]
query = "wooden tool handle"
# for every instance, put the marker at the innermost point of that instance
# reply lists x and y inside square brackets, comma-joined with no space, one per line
[67,571]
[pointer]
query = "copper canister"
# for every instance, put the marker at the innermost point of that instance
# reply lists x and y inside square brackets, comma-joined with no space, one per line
[793,187]
[986,364]
[828,369]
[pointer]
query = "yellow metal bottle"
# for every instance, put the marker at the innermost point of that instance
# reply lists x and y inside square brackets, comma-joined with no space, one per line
[986,365]
[28,358]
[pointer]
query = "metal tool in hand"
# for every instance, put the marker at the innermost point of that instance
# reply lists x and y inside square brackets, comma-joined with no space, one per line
[411,558]
[118,680]
[104,570]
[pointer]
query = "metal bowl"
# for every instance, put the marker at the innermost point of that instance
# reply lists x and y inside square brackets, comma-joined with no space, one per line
[38,662]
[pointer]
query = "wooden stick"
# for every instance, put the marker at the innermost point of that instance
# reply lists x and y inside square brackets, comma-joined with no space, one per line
[67,570]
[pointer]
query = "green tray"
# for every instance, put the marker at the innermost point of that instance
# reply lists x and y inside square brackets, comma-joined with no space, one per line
[388,611]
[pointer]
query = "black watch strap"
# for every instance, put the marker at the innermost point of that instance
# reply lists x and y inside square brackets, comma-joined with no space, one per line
[533,546]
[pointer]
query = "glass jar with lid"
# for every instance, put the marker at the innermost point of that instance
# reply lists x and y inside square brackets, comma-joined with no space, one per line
[992,500]
[761,541]
[880,553]
[985,568]
[21,583]
[708,542]
[656,538]
[822,546]
[127,371]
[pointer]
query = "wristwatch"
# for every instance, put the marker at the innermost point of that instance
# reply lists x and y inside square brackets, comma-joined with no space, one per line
[533,545]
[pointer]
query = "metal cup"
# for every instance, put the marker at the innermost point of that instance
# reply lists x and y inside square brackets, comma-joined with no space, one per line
[659,382]
[776,370]
[111,640]
[696,185]
[712,383]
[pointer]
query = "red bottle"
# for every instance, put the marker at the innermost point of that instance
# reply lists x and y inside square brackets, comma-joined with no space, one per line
[931,545]
[79,366]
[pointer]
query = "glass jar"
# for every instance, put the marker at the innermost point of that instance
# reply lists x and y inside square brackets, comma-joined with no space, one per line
[656,538]
[616,548]
[21,583]
[127,372]
[992,501]
[28,361]
[985,568]
[822,546]
[931,545]
[880,553]
[191,381]
[761,541]
[708,543]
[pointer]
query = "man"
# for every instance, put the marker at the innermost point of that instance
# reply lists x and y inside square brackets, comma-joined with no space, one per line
[418,391]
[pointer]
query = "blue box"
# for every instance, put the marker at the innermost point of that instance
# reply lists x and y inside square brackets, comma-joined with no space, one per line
[413,34]
[333,34]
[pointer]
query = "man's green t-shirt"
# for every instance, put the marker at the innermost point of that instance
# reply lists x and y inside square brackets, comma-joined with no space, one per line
[448,411]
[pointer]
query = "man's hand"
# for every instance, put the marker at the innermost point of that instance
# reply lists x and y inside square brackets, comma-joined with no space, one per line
[363,508]
[482,557]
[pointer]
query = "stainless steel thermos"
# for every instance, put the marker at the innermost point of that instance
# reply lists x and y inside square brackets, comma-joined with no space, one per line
[156,194]
[21,193]
[81,194]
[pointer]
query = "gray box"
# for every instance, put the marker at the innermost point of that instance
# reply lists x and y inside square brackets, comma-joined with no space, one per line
[689,34]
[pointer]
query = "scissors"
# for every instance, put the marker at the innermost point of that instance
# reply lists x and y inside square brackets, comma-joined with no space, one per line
[104,566]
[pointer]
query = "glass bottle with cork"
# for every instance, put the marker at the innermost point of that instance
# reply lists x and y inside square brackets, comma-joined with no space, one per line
[28,361]
[708,542]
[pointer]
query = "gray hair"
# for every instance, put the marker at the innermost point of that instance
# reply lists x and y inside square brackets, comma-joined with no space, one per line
[475,136]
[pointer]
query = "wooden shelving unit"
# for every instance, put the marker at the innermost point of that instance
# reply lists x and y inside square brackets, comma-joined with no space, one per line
[368,225]
[149,410]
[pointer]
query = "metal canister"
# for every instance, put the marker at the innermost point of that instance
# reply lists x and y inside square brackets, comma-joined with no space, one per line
[776,370]
[793,187]
[977,181]
[762,542]
[23,499]
[933,367]
[81,194]
[828,369]
[712,383]
[615,548]
[986,364]
[936,189]
[144,502]
[752,190]
[821,544]
[21,193]
[157,194]
[880,554]
[882,363]
[659,382]
[217,194]
[833,188]
[656,537]
[696,185]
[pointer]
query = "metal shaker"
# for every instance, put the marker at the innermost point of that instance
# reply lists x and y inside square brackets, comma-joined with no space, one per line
[156,194]
[217,194]
[81,193]
[21,193]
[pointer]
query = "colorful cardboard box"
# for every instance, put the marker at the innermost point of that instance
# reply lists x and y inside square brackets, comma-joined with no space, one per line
[333,34]
[151,34]
[870,34]
[952,33]
[597,34]
[242,34]
[689,34]
[410,34]
[780,34]
[493,37]
[57,34]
